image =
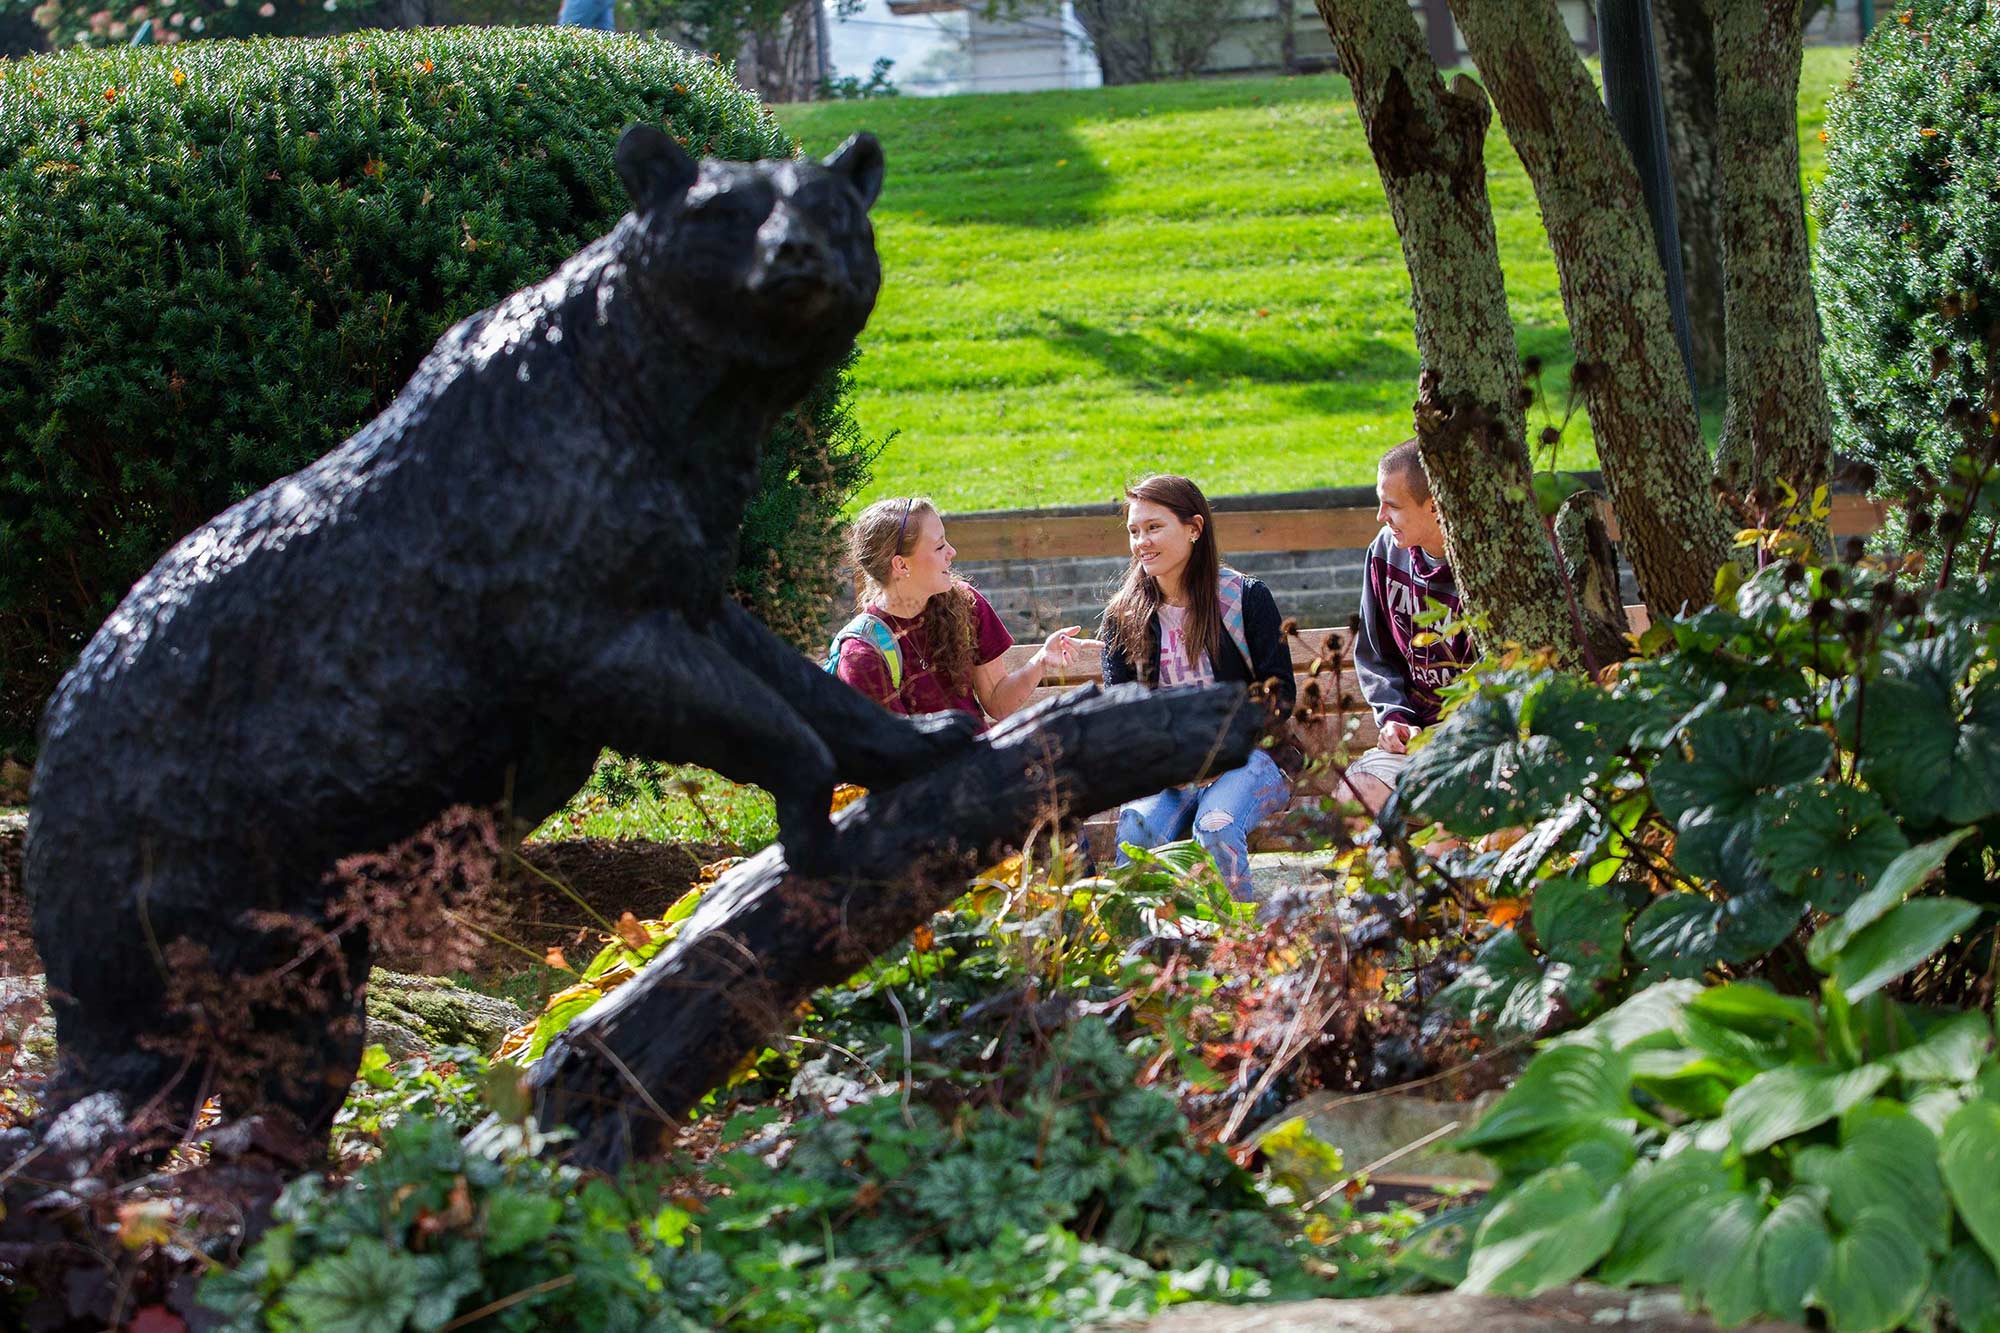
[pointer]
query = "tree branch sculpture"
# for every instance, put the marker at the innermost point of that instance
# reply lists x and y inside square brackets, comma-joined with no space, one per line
[765,936]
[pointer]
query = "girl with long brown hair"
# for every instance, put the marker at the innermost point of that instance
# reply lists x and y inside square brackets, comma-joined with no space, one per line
[924,640]
[1182,617]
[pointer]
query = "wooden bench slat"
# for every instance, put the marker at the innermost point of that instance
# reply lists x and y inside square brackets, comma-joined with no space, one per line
[1082,536]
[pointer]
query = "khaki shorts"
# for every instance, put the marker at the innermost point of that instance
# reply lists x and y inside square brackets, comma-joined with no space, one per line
[1381,765]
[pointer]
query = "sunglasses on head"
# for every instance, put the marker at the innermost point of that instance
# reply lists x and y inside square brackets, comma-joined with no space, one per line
[904,526]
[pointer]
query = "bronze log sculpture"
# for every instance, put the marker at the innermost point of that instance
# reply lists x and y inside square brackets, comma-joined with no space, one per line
[764,938]
[524,559]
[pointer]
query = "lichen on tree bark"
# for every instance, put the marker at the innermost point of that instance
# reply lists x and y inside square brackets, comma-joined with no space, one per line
[1634,382]
[1428,143]
[1779,425]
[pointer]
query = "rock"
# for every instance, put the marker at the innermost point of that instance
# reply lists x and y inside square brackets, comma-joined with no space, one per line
[28,1027]
[408,1014]
[1370,1127]
[1585,1306]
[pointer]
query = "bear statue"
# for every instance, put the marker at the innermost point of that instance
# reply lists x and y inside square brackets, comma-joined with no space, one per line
[524,559]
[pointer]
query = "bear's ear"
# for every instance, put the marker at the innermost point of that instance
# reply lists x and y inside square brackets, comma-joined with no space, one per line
[860,160]
[653,167]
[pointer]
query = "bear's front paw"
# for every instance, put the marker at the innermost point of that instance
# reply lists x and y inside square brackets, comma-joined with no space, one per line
[936,736]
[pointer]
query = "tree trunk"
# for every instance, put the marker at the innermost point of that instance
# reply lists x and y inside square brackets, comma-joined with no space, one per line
[764,939]
[1288,35]
[1429,146]
[1779,427]
[1686,46]
[1591,562]
[1630,369]
[1121,36]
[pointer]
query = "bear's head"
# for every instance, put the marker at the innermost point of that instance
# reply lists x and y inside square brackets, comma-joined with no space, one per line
[770,262]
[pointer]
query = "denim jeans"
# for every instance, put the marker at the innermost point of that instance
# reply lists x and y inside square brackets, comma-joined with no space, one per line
[586,14]
[1219,815]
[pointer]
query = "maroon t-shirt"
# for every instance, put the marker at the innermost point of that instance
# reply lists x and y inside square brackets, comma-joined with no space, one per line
[923,690]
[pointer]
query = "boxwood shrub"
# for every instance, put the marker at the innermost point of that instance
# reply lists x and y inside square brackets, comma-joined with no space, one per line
[1909,230]
[217,259]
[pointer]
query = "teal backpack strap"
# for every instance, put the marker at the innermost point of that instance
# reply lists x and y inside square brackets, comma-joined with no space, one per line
[871,630]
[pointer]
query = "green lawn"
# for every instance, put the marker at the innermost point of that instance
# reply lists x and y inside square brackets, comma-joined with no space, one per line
[1198,277]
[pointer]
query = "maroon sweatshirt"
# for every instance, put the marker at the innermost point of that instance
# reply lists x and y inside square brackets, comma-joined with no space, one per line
[1399,679]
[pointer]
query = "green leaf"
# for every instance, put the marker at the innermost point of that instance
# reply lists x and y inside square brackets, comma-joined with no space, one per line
[1563,1086]
[1685,934]
[366,1288]
[1794,1250]
[1645,1017]
[1887,1163]
[1970,1287]
[1904,876]
[1908,935]
[1875,1279]
[1549,1231]
[1690,1082]
[1929,747]
[1676,934]
[1781,1102]
[1584,926]
[1441,1248]
[1662,1196]
[443,1281]
[1951,1052]
[1737,754]
[1827,841]
[1513,753]
[516,1219]
[1756,1010]
[1719,1261]
[1969,1154]
[1505,988]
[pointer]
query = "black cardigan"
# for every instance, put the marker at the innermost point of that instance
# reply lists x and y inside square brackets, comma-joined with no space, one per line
[1260,628]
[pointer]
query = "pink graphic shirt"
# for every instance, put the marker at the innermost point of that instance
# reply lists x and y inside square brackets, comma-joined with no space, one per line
[1174,668]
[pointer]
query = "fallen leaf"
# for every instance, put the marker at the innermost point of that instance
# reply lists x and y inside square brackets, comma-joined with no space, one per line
[632,933]
[145,1222]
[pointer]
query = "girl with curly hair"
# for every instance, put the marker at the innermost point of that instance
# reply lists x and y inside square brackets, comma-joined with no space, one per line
[926,641]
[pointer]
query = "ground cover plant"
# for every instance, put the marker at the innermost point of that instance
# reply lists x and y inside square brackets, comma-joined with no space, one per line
[1196,277]
[1012,1118]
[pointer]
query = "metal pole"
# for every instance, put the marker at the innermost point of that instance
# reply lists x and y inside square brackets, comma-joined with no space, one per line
[1632,94]
[1867,20]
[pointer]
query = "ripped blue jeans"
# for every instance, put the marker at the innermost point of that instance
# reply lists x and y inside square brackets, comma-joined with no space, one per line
[1219,815]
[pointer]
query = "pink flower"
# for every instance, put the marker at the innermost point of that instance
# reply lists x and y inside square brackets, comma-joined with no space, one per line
[266,10]
[100,20]
[178,19]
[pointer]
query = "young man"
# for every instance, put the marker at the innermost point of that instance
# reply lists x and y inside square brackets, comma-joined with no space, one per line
[1403,574]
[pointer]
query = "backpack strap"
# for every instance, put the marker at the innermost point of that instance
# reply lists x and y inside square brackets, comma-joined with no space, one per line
[873,631]
[1229,592]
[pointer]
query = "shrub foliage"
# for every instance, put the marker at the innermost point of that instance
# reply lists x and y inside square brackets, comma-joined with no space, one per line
[1909,225]
[218,259]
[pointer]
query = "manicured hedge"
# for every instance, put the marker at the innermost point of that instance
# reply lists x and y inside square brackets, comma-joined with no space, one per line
[1909,238]
[218,259]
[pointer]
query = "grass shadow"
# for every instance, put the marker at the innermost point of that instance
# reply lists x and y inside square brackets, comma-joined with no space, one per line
[1335,374]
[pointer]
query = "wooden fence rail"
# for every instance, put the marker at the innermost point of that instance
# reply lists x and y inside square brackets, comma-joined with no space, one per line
[1028,536]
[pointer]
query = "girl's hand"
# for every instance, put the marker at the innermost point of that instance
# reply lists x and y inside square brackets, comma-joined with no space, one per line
[1063,647]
